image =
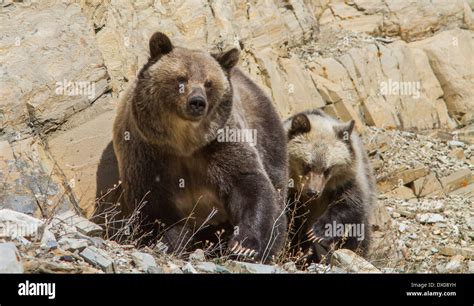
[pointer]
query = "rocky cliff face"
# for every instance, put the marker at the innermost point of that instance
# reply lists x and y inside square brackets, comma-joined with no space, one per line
[388,64]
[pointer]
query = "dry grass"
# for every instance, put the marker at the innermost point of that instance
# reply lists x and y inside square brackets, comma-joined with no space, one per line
[127,231]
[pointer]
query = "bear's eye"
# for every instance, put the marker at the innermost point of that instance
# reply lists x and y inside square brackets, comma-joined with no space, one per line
[208,84]
[327,172]
[306,168]
[182,79]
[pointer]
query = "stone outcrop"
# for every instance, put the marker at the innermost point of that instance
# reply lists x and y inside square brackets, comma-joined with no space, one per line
[411,20]
[389,64]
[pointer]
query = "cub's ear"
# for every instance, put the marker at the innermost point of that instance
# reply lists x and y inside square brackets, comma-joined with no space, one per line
[160,45]
[299,124]
[344,131]
[227,59]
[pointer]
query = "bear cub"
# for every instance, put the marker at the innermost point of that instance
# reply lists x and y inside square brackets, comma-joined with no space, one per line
[333,189]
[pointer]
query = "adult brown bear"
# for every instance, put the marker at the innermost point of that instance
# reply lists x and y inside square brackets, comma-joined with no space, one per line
[171,138]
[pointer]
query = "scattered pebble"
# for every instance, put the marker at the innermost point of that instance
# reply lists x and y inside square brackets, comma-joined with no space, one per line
[189,269]
[455,264]
[143,261]
[10,258]
[429,218]
[197,255]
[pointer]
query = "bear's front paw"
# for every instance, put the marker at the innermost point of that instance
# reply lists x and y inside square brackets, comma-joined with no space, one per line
[239,250]
[319,234]
[245,247]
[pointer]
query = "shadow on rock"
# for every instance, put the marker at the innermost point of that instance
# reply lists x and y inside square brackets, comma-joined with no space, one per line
[109,191]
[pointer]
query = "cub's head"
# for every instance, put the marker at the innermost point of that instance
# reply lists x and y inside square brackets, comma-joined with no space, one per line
[181,89]
[320,150]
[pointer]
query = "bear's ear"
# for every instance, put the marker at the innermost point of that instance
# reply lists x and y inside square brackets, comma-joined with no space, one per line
[160,45]
[299,125]
[344,131]
[228,59]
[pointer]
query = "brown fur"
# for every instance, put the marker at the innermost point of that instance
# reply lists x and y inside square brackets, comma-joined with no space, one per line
[332,179]
[169,144]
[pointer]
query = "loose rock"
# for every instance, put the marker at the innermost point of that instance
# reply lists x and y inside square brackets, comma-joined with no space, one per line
[97,257]
[71,244]
[246,267]
[351,262]
[455,264]
[189,269]
[197,255]
[174,269]
[83,225]
[10,258]
[208,267]
[429,218]
[15,224]
[143,261]
[155,270]
[452,251]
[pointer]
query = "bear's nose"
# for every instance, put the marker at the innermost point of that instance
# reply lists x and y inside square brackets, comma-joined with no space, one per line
[196,105]
[312,193]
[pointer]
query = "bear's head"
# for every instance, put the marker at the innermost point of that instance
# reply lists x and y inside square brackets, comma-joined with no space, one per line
[321,152]
[183,96]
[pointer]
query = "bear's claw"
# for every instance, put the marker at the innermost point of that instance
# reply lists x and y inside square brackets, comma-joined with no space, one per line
[239,250]
[313,238]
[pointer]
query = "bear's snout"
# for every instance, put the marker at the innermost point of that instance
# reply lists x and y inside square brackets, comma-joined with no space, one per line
[196,106]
